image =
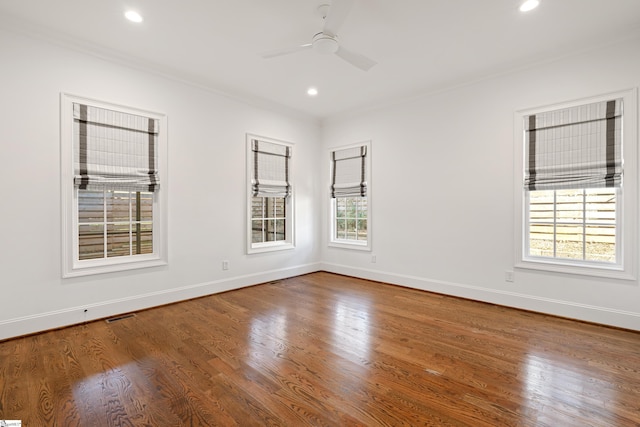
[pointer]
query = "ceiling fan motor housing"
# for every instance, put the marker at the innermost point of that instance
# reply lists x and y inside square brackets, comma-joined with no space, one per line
[325,43]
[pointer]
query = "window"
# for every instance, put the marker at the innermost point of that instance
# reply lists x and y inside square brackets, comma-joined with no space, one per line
[112,202]
[270,217]
[114,223]
[578,204]
[350,200]
[576,224]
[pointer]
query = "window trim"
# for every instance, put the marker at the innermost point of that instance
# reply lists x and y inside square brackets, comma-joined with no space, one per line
[71,265]
[289,242]
[626,214]
[351,244]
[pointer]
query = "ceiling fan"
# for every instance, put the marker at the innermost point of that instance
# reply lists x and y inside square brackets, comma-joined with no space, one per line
[326,41]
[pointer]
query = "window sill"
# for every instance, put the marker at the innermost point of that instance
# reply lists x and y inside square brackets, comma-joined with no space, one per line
[583,269]
[91,267]
[269,247]
[348,244]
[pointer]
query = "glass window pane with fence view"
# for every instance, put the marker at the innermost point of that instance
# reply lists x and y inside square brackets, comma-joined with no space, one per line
[575,224]
[268,219]
[114,223]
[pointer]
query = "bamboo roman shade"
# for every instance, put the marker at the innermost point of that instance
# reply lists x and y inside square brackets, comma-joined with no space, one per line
[349,172]
[577,147]
[114,150]
[270,175]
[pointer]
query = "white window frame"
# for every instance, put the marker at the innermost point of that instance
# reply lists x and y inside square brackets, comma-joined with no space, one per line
[343,243]
[627,200]
[289,242]
[71,265]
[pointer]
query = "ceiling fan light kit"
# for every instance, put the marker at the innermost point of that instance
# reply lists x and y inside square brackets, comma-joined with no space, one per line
[326,41]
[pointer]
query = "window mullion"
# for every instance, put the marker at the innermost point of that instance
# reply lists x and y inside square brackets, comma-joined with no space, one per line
[105,224]
[555,222]
[358,201]
[130,204]
[584,224]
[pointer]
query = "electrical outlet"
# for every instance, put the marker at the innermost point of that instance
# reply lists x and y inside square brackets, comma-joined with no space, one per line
[374,259]
[225,265]
[508,276]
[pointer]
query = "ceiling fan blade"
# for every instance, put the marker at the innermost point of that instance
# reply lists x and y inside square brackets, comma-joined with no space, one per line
[338,12]
[286,51]
[356,59]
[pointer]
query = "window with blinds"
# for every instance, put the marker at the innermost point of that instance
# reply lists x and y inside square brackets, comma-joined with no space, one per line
[112,159]
[270,213]
[575,191]
[572,175]
[350,215]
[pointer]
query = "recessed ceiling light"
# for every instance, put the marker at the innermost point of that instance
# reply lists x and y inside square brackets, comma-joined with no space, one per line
[312,91]
[529,5]
[133,16]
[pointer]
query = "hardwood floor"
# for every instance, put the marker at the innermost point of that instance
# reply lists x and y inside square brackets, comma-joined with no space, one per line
[324,350]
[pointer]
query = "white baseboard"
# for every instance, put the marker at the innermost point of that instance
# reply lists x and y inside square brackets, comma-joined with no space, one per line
[568,309]
[74,315]
[12,328]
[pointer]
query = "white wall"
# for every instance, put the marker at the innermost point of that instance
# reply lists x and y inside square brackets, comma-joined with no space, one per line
[205,181]
[443,189]
[454,148]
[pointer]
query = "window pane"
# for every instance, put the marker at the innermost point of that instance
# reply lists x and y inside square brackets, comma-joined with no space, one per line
[569,242]
[275,207]
[569,206]
[362,207]
[142,238]
[117,206]
[351,207]
[601,243]
[541,240]
[257,231]
[341,227]
[270,207]
[90,206]
[270,232]
[362,229]
[280,229]
[141,203]
[257,207]
[601,206]
[279,207]
[118,240]
[341,207]
[573,224]
[91,241]
[351,229]
[268,219]
[541,206]
[350,217]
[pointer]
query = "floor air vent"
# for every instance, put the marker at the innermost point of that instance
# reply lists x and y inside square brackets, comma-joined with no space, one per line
[124,316]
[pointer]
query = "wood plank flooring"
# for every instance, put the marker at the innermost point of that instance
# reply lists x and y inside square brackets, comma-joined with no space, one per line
[324,350]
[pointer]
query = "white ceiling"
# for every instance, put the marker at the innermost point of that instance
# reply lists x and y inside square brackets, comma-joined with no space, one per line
[420,45]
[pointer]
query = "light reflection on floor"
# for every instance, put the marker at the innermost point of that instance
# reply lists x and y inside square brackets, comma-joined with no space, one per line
[112,387]
[351,322]
[268,337]
[551,382]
